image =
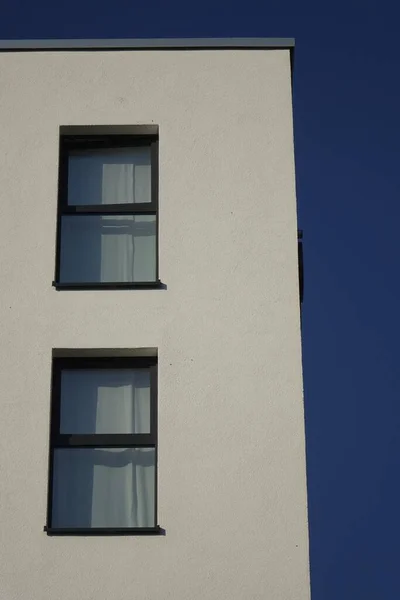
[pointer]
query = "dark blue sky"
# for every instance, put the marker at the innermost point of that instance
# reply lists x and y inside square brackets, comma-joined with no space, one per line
[347,128]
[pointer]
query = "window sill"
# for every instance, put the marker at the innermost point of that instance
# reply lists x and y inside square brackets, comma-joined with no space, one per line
[144,285]
[105,531]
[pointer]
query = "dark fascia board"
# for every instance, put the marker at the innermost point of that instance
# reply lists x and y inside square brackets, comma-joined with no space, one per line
[147,44]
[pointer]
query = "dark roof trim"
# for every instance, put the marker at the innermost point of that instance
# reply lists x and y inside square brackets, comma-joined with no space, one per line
[147,44]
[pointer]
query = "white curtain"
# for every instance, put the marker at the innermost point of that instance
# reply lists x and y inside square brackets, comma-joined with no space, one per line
[128,249]
[104,487]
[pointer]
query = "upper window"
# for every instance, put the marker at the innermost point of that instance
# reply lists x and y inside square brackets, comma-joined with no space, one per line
[107,214]
[103,446]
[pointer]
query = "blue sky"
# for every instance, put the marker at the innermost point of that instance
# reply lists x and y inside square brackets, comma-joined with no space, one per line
[347,133]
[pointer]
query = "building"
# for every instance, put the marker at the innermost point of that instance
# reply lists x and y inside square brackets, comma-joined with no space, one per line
[149,240]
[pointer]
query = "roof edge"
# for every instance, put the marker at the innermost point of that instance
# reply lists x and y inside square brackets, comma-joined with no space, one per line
[147,44]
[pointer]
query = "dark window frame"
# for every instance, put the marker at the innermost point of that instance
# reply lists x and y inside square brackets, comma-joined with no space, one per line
[134,440]
[93,142]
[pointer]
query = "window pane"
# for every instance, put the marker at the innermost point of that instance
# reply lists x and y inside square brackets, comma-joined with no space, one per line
[108,248]
[105,401]
[109,176]
[103,487]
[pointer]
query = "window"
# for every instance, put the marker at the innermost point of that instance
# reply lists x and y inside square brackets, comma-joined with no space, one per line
[107,212]
[103,446]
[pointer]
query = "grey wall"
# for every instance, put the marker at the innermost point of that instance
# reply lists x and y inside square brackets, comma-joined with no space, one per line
[232,491]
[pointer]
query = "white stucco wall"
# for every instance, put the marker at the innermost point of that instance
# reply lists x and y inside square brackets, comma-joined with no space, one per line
[232,488]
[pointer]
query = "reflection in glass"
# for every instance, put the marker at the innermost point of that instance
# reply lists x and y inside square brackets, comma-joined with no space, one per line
[109,176]
[103,487]
[105,401]
[108,248]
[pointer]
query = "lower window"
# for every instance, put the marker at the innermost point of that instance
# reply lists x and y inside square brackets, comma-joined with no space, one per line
[103,446]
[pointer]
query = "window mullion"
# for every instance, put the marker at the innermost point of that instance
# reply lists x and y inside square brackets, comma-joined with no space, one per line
[111,209]
[104,440]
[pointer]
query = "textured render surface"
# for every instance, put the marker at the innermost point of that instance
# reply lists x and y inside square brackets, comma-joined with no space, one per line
[232,490]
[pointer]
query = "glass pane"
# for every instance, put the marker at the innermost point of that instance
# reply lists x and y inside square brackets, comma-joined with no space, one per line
[105,401]
[103,487]
[109,176]
[108,248]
